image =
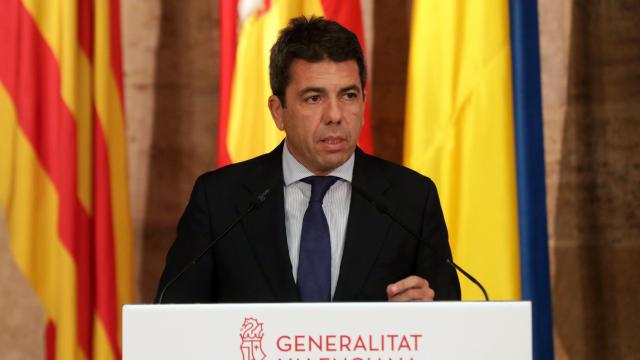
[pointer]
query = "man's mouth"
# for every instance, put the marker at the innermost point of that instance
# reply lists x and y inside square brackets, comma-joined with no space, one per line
[333,143]
[333,140]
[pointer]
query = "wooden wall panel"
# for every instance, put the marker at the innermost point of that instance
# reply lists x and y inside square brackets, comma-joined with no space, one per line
[392,20]
[183,135]
[595,129]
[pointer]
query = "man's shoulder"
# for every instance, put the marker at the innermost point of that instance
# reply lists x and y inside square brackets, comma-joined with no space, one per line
[406,192]
[259,169]
[394,173]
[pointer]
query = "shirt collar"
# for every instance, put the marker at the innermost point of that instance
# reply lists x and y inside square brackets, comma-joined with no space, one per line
[294,171]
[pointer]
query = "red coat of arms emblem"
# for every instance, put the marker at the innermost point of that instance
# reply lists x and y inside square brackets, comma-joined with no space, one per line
[251,336]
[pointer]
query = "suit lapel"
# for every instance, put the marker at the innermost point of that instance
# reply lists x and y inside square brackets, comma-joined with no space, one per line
[366,230]
[265,227]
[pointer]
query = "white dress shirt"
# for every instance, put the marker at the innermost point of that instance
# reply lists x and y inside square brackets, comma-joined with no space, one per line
[335,206]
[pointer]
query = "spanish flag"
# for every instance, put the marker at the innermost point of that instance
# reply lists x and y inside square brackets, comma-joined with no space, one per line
[474,125]
[248,29]
[63,180]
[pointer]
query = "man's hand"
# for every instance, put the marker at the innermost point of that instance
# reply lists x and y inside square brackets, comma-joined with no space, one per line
[412,288]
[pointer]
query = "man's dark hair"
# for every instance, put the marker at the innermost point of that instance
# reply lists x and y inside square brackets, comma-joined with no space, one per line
[312,40]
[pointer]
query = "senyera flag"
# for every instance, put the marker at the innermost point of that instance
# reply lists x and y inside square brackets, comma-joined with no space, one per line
[474,124]
[63,182]
[248,29]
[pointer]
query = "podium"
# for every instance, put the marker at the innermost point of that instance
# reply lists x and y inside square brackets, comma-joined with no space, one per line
[328,331]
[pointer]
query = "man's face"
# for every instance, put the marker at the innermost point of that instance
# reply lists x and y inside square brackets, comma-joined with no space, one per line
[323,114]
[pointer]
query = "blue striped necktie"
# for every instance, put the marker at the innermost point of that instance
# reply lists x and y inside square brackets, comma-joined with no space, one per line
[314,259]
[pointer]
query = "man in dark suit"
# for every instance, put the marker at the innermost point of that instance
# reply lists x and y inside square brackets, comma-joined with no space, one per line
[311,226]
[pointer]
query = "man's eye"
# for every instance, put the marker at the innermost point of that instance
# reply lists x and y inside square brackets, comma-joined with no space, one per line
[312,99]
[351,95]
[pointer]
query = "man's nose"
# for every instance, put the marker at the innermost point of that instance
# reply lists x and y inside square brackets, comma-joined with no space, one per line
[333,112]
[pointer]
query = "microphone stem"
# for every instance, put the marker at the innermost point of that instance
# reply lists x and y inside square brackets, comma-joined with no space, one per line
[381,207]
[259,200]
[471,278]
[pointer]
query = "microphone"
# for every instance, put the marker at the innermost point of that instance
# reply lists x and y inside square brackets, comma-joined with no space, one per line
[382,207]
[254,205]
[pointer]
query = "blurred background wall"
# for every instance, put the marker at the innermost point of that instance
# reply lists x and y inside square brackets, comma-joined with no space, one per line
[591,99]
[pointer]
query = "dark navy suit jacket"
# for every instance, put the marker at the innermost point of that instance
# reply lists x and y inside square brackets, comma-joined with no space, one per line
[251,263]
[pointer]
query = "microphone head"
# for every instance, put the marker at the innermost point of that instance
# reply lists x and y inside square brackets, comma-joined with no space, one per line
[376,201]
[263,195]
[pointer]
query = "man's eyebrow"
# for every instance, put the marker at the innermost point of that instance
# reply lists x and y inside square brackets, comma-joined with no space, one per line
[351,88]
[321,90]
[311,89]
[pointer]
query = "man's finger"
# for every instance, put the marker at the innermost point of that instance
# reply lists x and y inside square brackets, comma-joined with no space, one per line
[414,294]
[412,281]
[412,288]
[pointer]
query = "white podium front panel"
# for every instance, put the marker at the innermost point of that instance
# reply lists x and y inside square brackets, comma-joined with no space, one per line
[344,331]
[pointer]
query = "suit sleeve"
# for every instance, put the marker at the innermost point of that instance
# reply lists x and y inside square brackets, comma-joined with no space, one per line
[432,264]
[193,236]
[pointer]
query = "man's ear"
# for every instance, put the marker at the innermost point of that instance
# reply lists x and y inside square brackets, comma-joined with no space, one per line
[276,108]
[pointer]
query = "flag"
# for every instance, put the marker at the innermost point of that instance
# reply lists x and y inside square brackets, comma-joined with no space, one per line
[532,207]
[473,124]
[63,164]
[245,126]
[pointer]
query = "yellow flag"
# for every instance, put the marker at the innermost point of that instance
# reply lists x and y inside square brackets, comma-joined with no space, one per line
[459,132]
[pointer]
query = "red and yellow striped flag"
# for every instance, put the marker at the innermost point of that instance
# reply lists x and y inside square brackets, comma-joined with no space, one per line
[245,126]
[63,180]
